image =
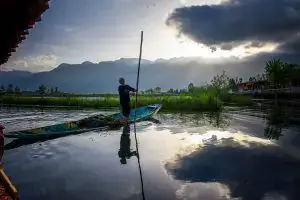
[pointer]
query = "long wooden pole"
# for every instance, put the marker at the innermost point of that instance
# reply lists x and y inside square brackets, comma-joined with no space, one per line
[136,95]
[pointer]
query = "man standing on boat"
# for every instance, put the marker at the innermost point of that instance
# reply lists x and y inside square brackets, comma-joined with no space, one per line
[124,93]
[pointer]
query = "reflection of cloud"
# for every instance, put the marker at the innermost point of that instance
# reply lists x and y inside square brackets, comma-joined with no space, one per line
[251,172]
[217,136]
[203,191]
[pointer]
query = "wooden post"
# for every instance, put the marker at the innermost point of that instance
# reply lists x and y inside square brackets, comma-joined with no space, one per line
[136,95]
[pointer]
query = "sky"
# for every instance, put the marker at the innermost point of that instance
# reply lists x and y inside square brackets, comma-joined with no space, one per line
[74,31]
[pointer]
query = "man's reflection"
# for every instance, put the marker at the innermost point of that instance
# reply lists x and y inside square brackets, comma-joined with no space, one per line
[124,152]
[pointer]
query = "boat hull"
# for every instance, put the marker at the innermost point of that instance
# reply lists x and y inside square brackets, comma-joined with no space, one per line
[84,125]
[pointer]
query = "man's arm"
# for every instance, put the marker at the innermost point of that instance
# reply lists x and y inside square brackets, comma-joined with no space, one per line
[132,89]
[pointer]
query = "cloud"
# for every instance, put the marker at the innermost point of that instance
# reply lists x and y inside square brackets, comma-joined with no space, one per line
[237,22]
[255,44]
[40,63]
[21,63]
[201,2]
[246,170]
[291,45]
[227,47]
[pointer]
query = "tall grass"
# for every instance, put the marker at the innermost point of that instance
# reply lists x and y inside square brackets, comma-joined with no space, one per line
[199,102]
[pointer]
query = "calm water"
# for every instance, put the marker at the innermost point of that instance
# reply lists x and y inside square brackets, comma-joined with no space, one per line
[238,154]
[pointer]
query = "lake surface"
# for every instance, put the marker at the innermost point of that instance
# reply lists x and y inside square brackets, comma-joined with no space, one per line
[238,154]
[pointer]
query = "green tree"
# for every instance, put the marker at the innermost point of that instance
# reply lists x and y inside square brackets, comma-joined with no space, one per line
[258,77]
[232,84]
[157,90]
[220,82]
[2,89]
[17,90]
[274,72]
[289,72]
[149,91]
[56,89]
[250,79]
[51,90]
[191,87]
[10,89]
[42,89]
[171,90]
[182,91]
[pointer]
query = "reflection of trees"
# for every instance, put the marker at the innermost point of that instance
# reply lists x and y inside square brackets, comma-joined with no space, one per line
[215,119]
[182,120]
[280,117]
[218,119]
[276,121]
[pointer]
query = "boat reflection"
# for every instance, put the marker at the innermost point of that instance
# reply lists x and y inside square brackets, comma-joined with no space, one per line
[23,142]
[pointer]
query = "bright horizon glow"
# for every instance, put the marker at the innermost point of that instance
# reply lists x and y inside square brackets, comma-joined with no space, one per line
[170,46]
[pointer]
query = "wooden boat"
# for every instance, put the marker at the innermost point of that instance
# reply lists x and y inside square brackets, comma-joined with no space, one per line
[87,124]
[7,189]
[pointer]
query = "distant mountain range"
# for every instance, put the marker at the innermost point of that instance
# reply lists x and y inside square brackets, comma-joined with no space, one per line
[102,77]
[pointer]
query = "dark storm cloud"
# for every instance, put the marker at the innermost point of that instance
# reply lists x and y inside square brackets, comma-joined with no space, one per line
[227,47]
[291,45]
[239,21]
[259,60]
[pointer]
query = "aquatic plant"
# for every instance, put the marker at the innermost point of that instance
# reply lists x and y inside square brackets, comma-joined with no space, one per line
[197,102]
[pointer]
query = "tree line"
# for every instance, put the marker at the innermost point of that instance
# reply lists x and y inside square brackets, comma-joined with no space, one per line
[158,90]
[282,74]
[277,74]
[10,89]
